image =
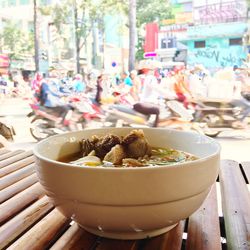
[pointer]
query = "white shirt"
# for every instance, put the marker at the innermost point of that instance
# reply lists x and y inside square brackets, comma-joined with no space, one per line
[150,91]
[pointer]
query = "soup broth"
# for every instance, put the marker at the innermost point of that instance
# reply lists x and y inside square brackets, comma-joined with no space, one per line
[133,150]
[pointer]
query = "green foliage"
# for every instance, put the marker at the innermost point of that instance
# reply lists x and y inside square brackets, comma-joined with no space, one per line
[87,12]
[114,6]
[93,11]
[139,48]
[248,5]
[152,11]
[146,11]
[17,42]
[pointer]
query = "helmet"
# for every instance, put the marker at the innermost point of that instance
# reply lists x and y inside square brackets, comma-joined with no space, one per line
[78,77]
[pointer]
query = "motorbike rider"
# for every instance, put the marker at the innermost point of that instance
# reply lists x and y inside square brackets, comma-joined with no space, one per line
[99,90]
[52,98]
[78,84]
[3,85]
[243,103]
[244,99]
[137,85]
[151,92]
[181,87]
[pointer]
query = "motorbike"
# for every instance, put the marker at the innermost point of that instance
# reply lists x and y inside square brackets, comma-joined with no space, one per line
[173,114]
[218,117]
[46,122]
[125,115]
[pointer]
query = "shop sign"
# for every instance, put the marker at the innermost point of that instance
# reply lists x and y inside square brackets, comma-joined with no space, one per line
[184,17]
[168,21]
[4,61]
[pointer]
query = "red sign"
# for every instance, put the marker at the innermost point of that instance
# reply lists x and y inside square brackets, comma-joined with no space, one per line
[4,61]
[151,39]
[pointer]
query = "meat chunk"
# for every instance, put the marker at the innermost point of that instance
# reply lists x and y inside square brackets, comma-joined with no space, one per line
[136,145]
[87,146]
[104,144]
[101,145]
[116,154]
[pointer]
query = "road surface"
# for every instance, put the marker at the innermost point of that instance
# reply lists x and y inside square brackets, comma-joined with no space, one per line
[235,143]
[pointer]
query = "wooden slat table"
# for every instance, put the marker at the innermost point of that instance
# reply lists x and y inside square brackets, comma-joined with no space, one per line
[29,221]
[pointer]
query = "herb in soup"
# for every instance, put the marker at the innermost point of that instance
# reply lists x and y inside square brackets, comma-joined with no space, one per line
[132,150]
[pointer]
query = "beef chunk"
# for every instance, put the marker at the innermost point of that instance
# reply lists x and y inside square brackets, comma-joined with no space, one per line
[87,146]
[115,155]
[136,145]
[104,144]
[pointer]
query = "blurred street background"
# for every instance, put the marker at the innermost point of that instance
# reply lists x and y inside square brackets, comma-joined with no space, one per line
[77,64]
[235,143]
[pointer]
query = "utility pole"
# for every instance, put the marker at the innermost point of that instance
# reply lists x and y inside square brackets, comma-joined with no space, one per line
[132,34]
[77,38]
[36,36]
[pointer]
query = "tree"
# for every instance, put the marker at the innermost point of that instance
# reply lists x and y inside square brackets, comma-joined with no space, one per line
[248,9]
[150,11]
[36,37]
[81,14]
[146,11]
[16,42]
[85,14]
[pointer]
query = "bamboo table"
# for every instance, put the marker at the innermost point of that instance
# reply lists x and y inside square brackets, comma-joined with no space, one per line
[29,221]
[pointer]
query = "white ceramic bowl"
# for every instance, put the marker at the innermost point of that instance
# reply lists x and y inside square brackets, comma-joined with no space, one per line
[128,203]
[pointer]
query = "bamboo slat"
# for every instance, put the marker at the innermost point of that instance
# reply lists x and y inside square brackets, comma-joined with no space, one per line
[16,157]
[110,244]
[4,151]
[16,176]
[170,240]
[235,205]
[8,155]
[75,238]
[20,201]
[246,167]
[17,187]
[28,220]
[15,166]
[203,225]
[17,225]
[40,235]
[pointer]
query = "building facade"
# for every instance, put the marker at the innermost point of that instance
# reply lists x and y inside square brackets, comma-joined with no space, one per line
[216,39]
[203,32]
[102,48]
[220,46]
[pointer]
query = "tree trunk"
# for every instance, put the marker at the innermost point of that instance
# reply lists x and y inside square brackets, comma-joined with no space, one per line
[132,33]
[77,40]
[36,37]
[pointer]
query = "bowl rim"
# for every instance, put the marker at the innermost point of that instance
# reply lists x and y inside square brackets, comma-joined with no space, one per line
[176,165]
